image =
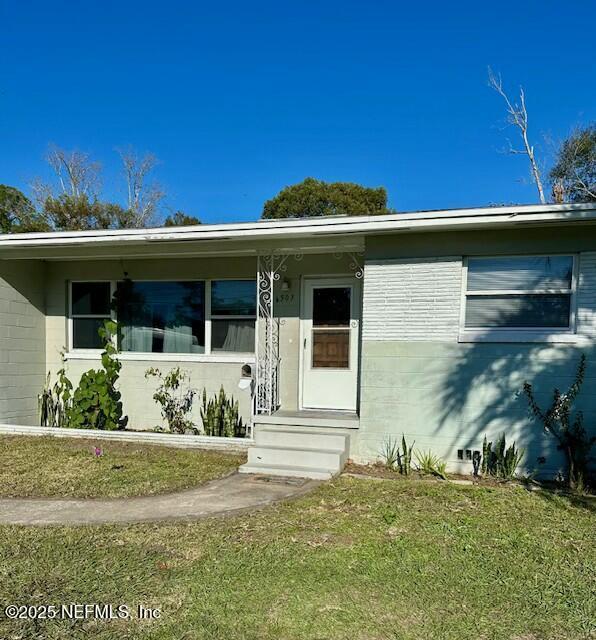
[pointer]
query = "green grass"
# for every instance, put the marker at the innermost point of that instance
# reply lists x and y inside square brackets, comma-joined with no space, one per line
[356,559]
[52,467]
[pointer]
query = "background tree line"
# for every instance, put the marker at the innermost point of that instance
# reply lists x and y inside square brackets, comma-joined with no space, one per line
[73,199]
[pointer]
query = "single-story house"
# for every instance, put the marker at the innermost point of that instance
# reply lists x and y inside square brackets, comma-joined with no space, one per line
[353,329]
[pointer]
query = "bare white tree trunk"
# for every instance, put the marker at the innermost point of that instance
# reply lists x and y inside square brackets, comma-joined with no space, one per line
[76,173]
[517,115]
[143,199]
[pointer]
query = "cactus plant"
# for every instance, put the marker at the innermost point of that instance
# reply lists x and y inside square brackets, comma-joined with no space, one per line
[568,429]
[486,451]
[220,416]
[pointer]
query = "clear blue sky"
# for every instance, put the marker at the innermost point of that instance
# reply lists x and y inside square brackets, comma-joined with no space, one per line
[238,99]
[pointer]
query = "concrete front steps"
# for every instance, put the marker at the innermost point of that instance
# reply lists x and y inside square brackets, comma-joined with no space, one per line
[297,451]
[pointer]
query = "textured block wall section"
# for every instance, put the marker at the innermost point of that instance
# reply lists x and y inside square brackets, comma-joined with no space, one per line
[412,299]
[22,340]
[418,380]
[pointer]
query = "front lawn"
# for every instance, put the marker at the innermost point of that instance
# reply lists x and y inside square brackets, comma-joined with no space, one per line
[61,467]
[355,560]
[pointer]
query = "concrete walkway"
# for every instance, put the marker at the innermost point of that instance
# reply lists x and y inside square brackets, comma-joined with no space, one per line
[228,495]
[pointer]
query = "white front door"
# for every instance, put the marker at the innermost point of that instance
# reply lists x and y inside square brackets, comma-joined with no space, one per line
[330,336]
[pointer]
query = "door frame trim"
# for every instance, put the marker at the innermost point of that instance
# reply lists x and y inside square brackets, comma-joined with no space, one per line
[356,283]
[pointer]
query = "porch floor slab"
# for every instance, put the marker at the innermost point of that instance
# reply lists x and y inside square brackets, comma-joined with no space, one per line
[310,418]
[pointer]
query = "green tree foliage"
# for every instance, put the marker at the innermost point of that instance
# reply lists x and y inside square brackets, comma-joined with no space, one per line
[96,402]
[79,213]
[575,169]
[181,219]
[311,198]
[17,213]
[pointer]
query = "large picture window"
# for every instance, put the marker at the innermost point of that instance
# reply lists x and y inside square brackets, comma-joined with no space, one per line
[167,316]
[161,317]
[90,308]
[533,292]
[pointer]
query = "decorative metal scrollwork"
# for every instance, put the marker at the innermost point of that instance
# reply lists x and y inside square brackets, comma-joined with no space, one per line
[355,264]
[270,267]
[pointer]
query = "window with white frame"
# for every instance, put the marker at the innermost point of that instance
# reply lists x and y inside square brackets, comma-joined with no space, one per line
[233,315]
[90,308]
[531,292]
[185,317]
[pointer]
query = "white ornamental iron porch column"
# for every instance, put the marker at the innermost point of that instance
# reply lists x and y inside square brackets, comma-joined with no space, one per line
[269,268]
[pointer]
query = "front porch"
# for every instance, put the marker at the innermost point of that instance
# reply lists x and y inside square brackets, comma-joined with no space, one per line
[308,363]
[189,304]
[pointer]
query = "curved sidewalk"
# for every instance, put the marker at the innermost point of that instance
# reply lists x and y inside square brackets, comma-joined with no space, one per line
[227,495]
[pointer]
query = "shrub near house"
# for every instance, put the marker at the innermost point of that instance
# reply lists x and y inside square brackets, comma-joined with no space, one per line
[96,402]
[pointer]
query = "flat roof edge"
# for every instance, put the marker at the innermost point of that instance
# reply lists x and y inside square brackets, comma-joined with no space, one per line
[296,227]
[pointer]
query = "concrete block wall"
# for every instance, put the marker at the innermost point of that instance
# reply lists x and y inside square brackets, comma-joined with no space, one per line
[419,380]
[22,340]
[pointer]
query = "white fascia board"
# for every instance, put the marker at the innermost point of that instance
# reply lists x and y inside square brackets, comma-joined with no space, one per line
[296,228]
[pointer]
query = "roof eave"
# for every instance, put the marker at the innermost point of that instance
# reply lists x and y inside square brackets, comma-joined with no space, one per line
[493,217]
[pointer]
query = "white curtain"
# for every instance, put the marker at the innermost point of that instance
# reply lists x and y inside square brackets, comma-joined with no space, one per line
[178,340]
[138,339]
[240,337]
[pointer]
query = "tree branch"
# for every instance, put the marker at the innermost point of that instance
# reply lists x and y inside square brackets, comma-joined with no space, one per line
[517,115]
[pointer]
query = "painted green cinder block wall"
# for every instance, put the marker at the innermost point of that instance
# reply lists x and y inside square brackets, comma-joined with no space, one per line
[419,380]
[448,396]
[22,340]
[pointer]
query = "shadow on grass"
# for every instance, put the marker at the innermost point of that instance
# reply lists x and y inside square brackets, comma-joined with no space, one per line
[579,501]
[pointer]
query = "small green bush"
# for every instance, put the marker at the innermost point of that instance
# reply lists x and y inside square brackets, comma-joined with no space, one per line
[176,401]
[96,401]
[431,464]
